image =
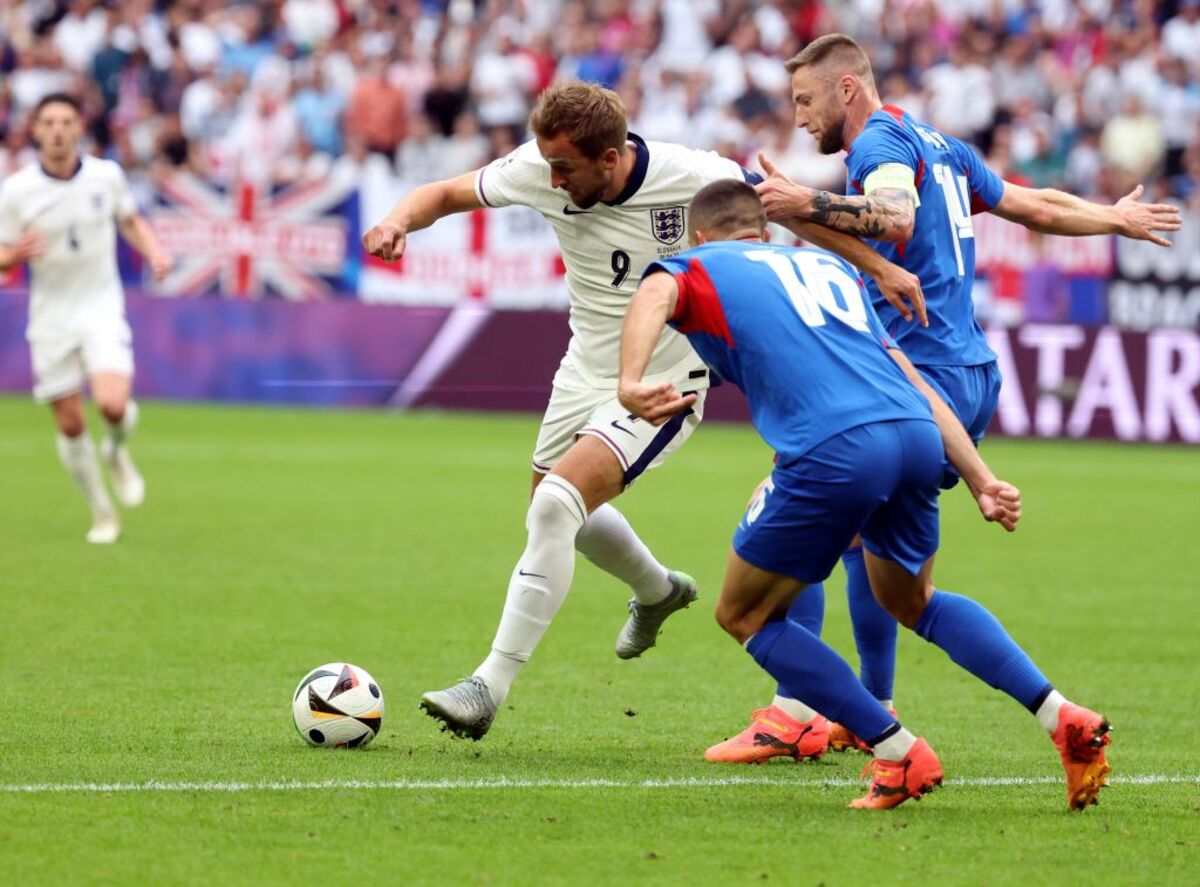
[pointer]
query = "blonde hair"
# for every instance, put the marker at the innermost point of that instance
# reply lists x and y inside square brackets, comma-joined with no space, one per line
[592,117]
[838,50]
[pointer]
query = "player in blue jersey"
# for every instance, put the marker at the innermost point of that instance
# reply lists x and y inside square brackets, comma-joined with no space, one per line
[911,192]
[857,452]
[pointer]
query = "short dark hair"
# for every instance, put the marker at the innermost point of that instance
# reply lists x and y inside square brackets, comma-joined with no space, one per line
[592,117]
[57,98]
[840,49]
[726,206]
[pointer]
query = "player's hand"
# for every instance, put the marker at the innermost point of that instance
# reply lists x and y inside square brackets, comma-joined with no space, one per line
[384,241]
[902,288]
[1141,220]
[161,265]
[781,197]
[1000,502]
[655,403]
[30,245]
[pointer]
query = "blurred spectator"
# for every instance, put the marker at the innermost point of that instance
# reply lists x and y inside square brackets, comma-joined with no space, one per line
[502,82]
[1181,35]
[1133,140]
[376,112]
[318,111]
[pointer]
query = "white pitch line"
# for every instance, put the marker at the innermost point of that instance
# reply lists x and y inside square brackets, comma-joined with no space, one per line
[504,783]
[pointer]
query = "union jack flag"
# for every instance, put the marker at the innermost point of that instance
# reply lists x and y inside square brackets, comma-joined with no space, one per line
[299,242]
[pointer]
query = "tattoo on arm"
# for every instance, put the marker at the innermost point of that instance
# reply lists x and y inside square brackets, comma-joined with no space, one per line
[879,216]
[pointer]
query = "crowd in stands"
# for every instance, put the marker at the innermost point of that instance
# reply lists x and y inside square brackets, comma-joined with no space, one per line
[1089,95]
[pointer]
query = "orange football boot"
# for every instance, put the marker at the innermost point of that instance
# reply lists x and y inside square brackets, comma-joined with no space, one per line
[894,782]
[773,733]
[841,739]
[1080,739]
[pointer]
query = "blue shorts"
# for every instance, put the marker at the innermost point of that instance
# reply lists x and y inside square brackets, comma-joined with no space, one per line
[880,480]
[973,393]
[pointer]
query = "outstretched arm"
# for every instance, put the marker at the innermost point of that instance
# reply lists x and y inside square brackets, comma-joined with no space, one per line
[137,231]
[998,501]
[1049,211]
[649,309]
[884,214]
[419,209]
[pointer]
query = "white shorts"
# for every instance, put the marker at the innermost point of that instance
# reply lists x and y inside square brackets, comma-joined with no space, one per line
[62,365]
[637,444]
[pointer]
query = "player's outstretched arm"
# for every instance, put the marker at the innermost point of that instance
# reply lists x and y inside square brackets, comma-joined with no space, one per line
[998,500]
[649,309]
[885,214]
[1049,211]
[901,288]
[419,209]
[137,231]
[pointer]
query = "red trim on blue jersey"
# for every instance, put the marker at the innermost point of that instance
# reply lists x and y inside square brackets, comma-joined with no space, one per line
[698,308]
[856,185]
[920,171]
[897,113]
[978,204]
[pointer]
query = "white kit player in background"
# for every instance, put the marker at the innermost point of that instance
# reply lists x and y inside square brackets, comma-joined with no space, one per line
[616,203]
[61,215]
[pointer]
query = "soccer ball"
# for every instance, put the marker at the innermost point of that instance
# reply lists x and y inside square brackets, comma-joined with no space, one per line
[338,706]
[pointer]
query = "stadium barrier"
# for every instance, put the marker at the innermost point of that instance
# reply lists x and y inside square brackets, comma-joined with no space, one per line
[1061,380]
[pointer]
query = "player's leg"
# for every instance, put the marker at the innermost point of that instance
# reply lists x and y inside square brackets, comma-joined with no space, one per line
[752,609]
[78,456]
[108,357]
[111,392]
[58,380]
[899,539]
[607,538]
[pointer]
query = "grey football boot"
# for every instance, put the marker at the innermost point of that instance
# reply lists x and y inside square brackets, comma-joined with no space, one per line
[466,709]
[641,628]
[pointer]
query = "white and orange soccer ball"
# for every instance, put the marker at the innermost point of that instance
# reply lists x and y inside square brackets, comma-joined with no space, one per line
[338,705]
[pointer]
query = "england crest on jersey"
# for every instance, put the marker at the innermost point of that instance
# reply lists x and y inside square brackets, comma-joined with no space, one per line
[667,224]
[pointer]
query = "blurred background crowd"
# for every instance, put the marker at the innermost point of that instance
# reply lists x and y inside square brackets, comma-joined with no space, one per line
[1090,95]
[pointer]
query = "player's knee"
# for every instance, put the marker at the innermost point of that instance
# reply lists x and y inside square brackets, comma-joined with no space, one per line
[556,508]
[111,408]
[907,610]
[737,623]
[70,424]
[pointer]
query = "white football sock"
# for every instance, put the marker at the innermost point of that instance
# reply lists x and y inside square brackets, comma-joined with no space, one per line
[794,708]
[889,704]
[78,456]
[609,542]
[1047,713]
[539,583]
[125,428]
[895,747]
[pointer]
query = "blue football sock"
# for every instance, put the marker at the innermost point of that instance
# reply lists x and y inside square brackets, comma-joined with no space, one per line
[808,609]
[974,639]
[813,672]
[875,630]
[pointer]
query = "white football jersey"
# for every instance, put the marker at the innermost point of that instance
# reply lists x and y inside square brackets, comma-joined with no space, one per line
[606,248]
[75,282]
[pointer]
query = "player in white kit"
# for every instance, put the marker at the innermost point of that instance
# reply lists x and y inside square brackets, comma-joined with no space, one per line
[617,203]
[61,215]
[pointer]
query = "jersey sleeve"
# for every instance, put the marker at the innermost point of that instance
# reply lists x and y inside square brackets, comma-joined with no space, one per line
[986,187]
[712,167]
[10,222]
[515,179]
[124,205]
[881,144]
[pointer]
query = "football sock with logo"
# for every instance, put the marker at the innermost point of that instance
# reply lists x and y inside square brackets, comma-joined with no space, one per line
[808,610]
[120,431]
[78,455]
[539,583]
[609,542]
[812,671]
[875,630]
[974,639]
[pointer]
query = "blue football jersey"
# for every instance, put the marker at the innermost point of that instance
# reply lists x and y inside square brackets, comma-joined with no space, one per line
[795,331]
[952,185]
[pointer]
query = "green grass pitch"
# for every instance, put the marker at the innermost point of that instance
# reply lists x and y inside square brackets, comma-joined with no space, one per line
[273,541]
